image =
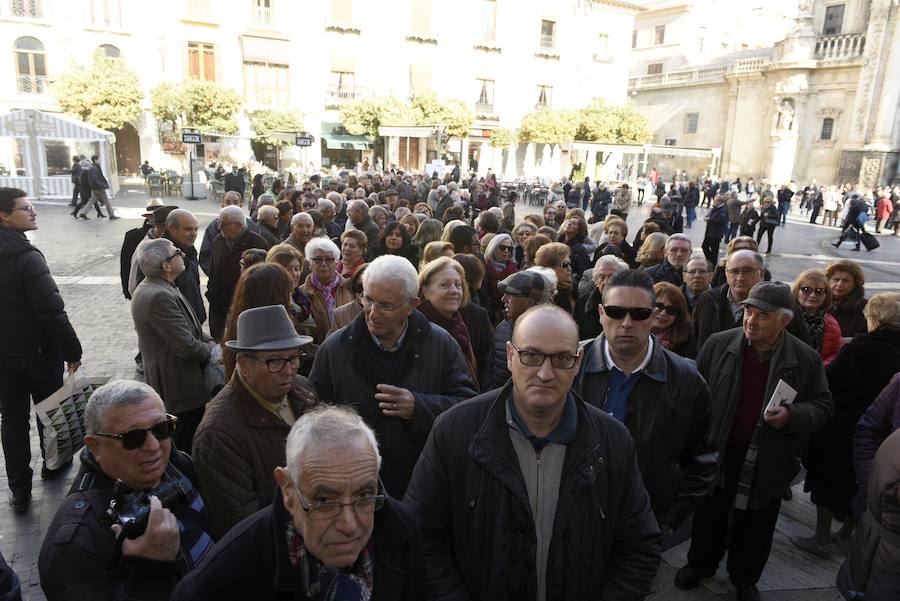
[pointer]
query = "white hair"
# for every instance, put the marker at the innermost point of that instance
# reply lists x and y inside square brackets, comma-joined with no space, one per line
[442,189]
[393,268]
[548,274]
[496,211]
[357,205]
[265,199]
[321,244]
[301,217]
[115,394]
[494,243]
[324,203]
[234,212]
[677,238]
[611,261]
[152,253]
[331,427]
[265,212]
[401,212]
[336,198]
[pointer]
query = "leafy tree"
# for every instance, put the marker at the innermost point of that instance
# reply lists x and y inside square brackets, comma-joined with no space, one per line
[456,118]
[265,121]
[364,117]
[601,122]
[502,137]
[204,105]
[105,92]
[548,126]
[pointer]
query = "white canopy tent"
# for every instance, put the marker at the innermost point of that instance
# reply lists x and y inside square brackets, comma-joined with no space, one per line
[36,150]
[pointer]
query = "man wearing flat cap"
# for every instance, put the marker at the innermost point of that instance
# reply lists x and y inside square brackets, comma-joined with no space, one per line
[134,237]
[521,291]
[768,392]
[241,439]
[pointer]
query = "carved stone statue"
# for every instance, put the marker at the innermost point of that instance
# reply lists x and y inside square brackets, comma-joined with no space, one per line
[785,118]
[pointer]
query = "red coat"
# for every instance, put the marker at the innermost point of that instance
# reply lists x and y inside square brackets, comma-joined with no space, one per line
[883,208]
[831,340]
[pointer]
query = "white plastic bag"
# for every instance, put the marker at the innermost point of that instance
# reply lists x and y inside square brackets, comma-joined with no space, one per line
[62,414]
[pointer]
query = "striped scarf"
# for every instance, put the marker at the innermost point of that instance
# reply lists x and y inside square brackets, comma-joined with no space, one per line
[325,584]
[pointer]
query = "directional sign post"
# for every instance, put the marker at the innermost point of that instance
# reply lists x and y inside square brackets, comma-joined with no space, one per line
[191,137]
[303,140]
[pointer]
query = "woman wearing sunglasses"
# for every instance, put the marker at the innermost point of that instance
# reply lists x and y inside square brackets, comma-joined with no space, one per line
[813,294]
[499,262]
[672,321]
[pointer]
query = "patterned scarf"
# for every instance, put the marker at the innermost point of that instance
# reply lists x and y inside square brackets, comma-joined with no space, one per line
[326,584]
[815,322]
[328,293]
[456,327]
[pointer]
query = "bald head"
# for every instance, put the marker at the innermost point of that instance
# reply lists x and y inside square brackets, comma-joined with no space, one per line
[182,227]
[543,318]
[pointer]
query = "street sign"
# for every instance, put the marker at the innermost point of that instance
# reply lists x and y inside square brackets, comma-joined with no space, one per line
[191,136]
[303,140]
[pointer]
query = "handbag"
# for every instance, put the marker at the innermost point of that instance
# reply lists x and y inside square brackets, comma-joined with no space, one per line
[62,415]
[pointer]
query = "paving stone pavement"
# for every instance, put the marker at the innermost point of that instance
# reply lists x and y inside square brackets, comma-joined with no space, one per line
[84,258]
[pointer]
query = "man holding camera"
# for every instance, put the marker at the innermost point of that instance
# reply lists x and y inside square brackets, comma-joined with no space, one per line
[130,459]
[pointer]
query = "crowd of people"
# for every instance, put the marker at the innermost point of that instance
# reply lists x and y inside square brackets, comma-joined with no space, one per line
[397,389]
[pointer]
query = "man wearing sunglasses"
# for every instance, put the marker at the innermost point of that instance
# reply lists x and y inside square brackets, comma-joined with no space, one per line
[658,395]
[36,339]
[241,438]
[172,342]
[528,492]
[332,531]
[128,440]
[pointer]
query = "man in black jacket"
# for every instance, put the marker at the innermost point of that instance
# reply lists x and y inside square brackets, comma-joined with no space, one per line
[658,395]
[234,181]
[527,492]
[331,533]
[678,251]
[128,446]
[182,229]
[36,338]
[134,237]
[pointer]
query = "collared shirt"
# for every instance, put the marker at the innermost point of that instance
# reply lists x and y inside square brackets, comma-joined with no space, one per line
[737,311]
[620,385]
[396,345]
[282,408]
[562,434]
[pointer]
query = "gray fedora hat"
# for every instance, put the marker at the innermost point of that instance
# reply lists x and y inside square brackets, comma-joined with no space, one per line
[266,329]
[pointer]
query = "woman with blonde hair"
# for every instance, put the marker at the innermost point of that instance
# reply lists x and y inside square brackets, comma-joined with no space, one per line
[813,294]
[653,250]
[433,250]
[556,256]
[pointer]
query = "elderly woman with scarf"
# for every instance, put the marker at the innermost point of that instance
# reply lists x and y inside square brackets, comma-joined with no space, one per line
[324,286]
[443,289]
[498,264]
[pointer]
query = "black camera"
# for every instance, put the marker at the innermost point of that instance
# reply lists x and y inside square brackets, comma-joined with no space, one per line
[131,508]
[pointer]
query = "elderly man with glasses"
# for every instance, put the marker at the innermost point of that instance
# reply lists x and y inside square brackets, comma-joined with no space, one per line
[528,492]
[241,439]
[394,367]
[128,450]
[332,531]
[173,345]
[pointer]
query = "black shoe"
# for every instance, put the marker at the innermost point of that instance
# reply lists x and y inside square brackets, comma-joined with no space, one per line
[857,248]
[788,495]
[836,244]
[100,215]
[84,216]
[747,592]
[20,501]
[114,217]
[48,474]
[689,577]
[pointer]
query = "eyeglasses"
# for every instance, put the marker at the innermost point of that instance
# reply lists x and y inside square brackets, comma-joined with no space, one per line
[808,290]
[276,364]
[134,439]
[637,313]
[370,304]
[328,510]
[322,260]
[670,310]
[696,271]
[505,247]
[746,271]
[27,208]
[536,359]
[178,253]
[566,265]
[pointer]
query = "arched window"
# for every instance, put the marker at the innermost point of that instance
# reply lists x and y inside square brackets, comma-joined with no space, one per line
[110,51]
[31,66]
[827,128]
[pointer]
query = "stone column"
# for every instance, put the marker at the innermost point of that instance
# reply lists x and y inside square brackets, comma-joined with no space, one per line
[463,157]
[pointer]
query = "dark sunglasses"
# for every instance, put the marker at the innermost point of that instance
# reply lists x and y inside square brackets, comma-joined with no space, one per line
[637,313]
[134,439]
[667,308]
[817,291]
[505,247]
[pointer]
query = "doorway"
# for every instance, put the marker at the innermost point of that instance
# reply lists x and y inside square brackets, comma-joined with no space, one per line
[128,150]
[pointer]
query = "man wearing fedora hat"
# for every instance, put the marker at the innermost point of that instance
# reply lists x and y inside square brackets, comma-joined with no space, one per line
[768,393]
[242,436]
[134,237]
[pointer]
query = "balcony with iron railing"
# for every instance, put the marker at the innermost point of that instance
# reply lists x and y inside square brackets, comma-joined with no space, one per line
[484,108]
[840,47]
[336,95]
[262,15]
[32,84]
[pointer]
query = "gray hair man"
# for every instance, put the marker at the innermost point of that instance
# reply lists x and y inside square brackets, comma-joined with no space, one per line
[498,471]
[212,230]
[658,395]
[302,227]
[769,393]
[587,307]
[328,208]
[392,365]
[170,337]
[225,264]
[267,224]
[331,525]
[697,274]
[241,439]
[128,446]
[678,251]
[358,218]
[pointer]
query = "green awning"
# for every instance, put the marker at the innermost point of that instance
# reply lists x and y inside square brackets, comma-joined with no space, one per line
[347,142]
